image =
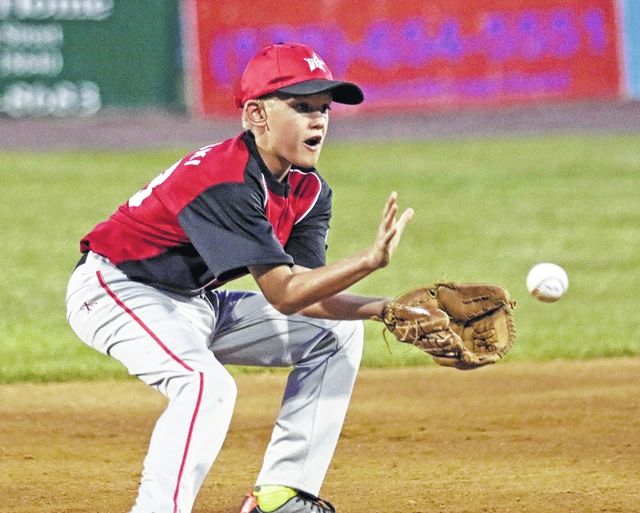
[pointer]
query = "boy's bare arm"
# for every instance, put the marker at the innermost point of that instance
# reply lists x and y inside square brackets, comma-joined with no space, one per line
[347,307]
[290,291]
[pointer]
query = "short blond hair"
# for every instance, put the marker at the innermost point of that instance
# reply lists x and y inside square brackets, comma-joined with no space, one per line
[267,101]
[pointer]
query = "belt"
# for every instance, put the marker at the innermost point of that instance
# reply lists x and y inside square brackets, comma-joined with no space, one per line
[82,260]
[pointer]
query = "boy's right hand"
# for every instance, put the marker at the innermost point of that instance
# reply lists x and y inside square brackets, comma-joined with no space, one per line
[389,233]
[292,290]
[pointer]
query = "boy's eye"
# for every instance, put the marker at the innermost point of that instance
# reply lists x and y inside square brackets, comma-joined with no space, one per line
[306,108]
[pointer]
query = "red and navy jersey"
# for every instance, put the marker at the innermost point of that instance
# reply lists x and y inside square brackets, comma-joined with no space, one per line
[212,214]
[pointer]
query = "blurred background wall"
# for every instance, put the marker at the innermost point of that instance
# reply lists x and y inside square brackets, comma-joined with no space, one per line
[66,58]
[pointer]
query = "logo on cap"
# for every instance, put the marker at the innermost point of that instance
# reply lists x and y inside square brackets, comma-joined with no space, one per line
[316,62]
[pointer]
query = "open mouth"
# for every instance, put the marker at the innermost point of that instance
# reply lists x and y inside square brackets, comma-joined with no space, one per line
[313,143]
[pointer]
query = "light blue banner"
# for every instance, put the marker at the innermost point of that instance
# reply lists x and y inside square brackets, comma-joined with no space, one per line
[631,28]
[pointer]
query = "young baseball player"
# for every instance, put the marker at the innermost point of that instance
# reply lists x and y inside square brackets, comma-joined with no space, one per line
[146,290]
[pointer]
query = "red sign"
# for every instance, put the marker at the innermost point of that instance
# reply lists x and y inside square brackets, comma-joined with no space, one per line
[415,54]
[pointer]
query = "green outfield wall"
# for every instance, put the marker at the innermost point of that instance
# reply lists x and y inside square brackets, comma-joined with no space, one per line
[75,57]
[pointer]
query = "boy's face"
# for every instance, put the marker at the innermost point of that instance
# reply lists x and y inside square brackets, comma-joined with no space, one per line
[297,129]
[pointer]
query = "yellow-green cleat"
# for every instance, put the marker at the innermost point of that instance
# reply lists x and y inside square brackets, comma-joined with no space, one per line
[294,501]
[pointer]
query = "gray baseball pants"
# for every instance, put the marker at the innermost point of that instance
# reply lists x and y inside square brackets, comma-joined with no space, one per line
[179,345]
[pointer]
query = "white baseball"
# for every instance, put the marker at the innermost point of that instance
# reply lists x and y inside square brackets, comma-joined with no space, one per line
[547,282]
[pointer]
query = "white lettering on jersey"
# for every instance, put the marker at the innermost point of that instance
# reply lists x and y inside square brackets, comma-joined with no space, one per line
[137,199]
[195,159]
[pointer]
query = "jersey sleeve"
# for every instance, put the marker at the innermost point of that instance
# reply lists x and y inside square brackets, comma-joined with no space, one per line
[307,244]
[227,227]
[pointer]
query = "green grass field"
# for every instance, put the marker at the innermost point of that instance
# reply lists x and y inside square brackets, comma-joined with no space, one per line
[486,210]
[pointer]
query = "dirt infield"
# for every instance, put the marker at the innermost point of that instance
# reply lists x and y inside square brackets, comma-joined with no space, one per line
[516,437]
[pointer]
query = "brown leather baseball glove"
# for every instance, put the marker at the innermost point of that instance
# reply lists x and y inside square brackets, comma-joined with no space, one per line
[461,325]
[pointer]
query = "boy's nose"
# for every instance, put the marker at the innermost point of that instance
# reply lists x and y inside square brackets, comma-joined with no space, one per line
[319,119]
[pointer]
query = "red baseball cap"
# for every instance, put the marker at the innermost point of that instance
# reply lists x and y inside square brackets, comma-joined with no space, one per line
[292,68]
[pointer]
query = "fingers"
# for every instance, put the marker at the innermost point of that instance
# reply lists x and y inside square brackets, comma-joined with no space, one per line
[388,236]
[391,226]
[393,235]
[391,200]
[390,210]
[406,216]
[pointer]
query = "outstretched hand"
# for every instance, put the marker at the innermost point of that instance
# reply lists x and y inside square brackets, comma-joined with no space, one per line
[314,290]
[389,232]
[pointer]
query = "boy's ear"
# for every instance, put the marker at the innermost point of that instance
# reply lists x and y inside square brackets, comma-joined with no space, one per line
[255,113]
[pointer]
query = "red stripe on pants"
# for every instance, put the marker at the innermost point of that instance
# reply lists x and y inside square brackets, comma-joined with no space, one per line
[164,347]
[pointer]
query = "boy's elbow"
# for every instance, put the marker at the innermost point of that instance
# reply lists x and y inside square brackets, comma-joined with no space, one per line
[283,306]
[278,288]
[285,309]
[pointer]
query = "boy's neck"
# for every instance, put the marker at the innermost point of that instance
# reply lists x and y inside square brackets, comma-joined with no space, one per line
[276,166]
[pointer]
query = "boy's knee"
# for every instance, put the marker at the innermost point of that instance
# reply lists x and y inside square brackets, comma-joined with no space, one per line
[219,387]
[213,385]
